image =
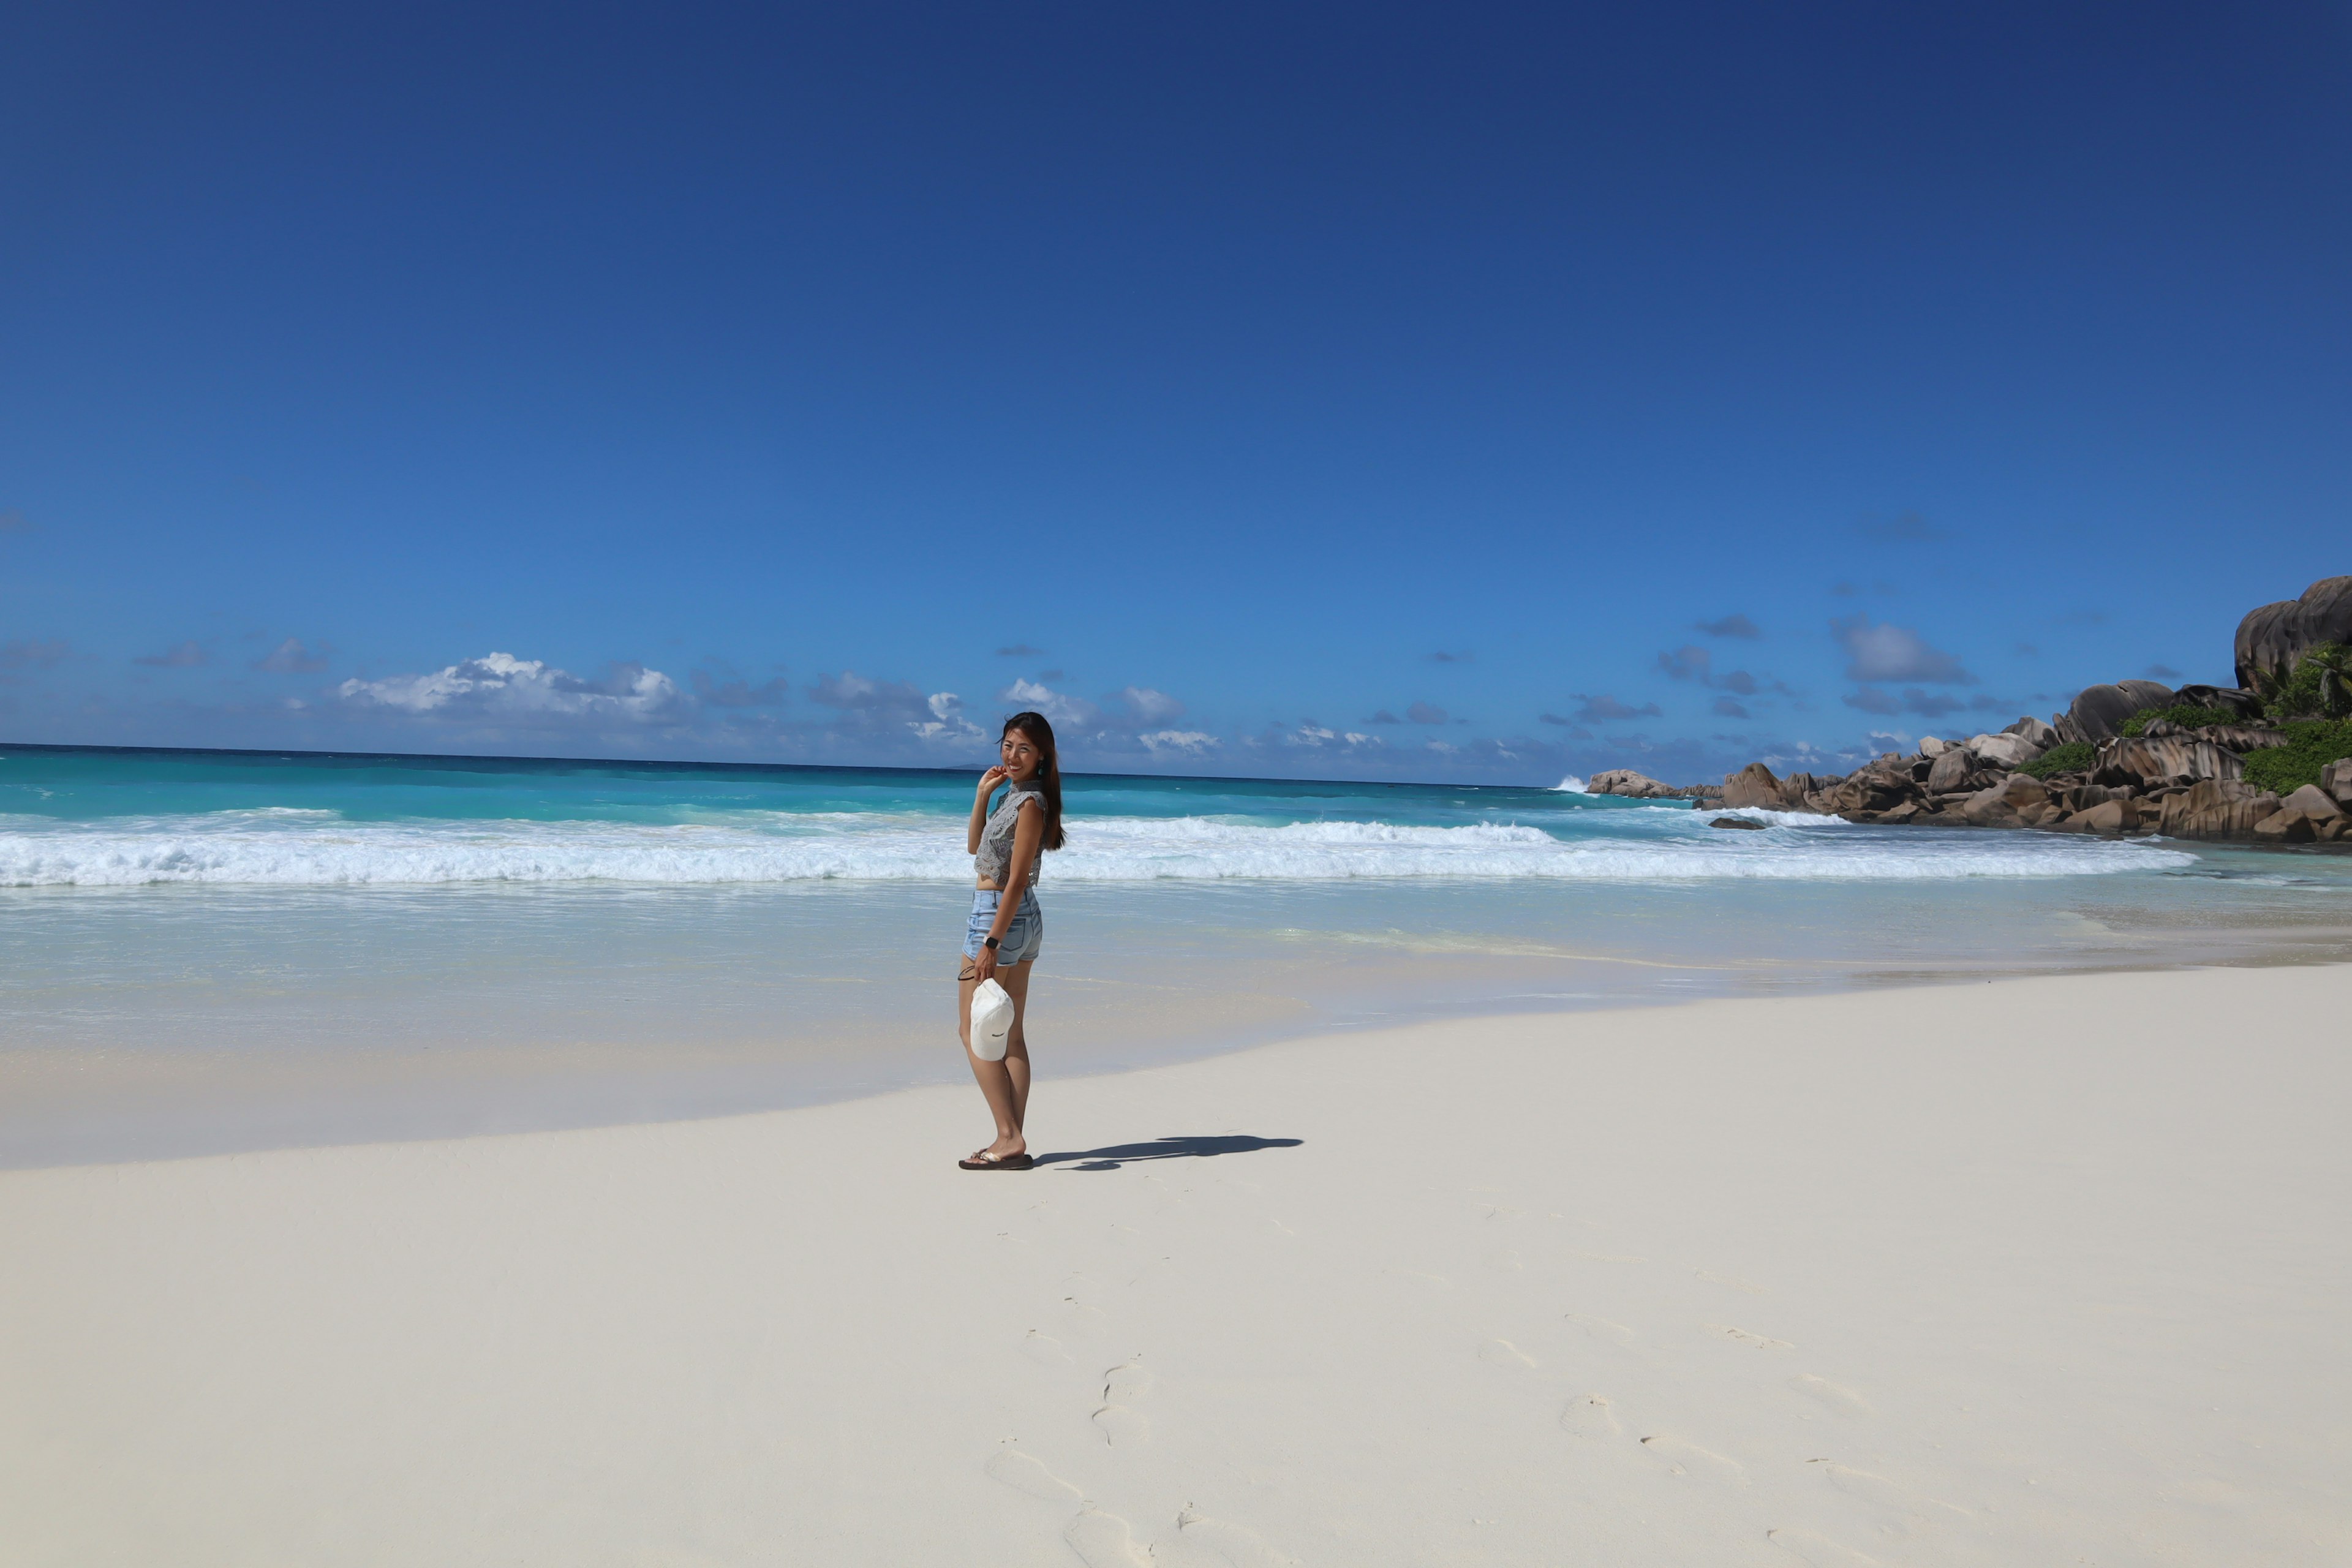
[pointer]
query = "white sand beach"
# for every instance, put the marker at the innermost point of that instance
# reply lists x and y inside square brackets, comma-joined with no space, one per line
[2031,1271]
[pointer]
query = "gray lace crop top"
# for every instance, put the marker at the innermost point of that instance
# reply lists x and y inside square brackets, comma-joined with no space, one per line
[995,854]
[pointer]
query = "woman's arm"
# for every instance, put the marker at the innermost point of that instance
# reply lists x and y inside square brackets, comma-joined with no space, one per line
[987,783]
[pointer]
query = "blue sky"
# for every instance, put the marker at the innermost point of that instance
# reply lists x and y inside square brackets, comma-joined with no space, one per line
[1436,392]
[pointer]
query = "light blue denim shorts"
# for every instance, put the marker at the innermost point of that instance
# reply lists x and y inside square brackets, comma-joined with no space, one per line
[1024,939]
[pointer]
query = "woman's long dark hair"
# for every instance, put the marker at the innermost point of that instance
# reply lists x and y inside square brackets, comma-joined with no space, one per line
[1049,771]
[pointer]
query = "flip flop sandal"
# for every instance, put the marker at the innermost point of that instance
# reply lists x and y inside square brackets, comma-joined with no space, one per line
[985,1161]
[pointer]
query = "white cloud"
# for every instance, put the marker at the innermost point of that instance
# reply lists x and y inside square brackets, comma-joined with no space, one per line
[1356,737]
[1179,742]
[855,693]
[1310,735]
[1150,706]
[501,684]
[947,723]
[1804,754]
[290,658]
[733,692]
[1057,707]
[1886,652]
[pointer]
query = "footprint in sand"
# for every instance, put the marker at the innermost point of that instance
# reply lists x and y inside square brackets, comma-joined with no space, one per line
[1103,1540]
[1044,1350]
[1213,1543]
[1127,1380]
[1602,1329]
[1084,1321]
[1121,1427]
[1689,1459]
[1025,1474]
[1818,1550]
[1901,1512]
[1503,1353]
[1591,1415]
[1743,1336]
[1836,1396]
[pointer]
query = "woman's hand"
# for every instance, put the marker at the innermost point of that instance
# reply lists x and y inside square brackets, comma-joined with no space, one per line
[985,965]
[987,783]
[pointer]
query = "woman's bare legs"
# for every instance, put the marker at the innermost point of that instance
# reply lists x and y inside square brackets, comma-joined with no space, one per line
[1005,1084]
[1016,1049]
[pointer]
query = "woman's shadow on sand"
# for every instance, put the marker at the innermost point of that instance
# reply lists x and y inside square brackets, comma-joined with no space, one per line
[1118,1155]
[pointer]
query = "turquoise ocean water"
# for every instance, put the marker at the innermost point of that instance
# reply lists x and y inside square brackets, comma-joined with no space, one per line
[87,818]
[211,948]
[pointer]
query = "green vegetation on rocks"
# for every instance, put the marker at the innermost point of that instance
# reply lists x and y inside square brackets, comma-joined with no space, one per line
[2187,717]
[2073,757]
[2309,748]
[2320,687]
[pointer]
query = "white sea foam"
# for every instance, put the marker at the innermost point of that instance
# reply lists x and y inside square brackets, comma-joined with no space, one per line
[1778,818]
[1572,784]
[316,849]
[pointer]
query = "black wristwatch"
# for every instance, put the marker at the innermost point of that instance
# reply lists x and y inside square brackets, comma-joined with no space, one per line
[989,944]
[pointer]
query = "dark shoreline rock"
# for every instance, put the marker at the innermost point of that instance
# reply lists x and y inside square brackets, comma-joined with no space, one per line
[2097,712]
[1633,785]
[2179,782]
[2272,638]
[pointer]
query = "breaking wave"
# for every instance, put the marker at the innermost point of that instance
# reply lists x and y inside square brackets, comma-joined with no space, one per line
[301,848]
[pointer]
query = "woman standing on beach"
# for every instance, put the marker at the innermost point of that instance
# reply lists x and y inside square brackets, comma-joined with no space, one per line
[1007,928]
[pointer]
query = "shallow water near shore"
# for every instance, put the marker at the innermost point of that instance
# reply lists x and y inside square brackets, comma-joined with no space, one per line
[203,953]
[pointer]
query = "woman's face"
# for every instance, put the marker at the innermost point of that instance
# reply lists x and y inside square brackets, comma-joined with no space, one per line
[1021,756]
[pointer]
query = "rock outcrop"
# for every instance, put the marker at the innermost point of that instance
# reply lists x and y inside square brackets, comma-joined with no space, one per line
[2314,802]
[2097,712]
[2004,749]
[2168,778]
[1642,786]
[1626,782]
[2238,737]
[1753,786]
[2186,784]
[2143,759]
[2272,638]
[2236,699]
[1949,771]
[2215,808]
[2004,805]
